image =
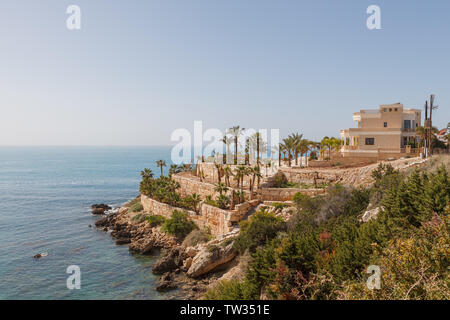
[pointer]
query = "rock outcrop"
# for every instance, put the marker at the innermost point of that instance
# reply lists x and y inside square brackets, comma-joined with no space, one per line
[370,214]
[100,208]
[141,237]
[209,258]
[169,262]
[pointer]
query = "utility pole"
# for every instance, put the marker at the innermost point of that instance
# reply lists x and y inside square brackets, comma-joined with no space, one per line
[425,126]
[430,132]
[429,126]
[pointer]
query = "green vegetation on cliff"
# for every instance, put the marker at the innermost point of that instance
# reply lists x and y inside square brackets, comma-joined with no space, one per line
[324,250]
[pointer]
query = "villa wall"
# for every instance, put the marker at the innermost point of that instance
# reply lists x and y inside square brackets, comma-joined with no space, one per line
[190,185]
[308,175]
[218,220]
[285,194]
[210,173]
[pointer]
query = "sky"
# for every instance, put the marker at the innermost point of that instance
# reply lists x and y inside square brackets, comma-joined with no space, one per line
[139,69]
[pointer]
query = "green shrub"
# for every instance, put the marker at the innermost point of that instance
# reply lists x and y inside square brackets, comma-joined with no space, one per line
[139,218]
[225,290]
[155,220]
[134,201]
[179,225]
[280,180]
[255,232]
[197,236]
[136,207]
[279,206]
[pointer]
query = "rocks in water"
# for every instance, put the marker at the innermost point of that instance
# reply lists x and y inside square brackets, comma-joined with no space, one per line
[40,255]
[211,257]
[100,208]
[123,241]
[142,246]
[166,283]
[169,262]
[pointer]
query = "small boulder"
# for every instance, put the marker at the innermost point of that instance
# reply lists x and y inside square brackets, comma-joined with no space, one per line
[168,262]
[40,255]
[209,258]
[123,241]
[142,246]
[100,208]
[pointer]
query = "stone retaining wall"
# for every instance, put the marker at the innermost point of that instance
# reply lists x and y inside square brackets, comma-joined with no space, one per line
[308,175]
[210,173]
[218,220]
[189,185]
[285,194]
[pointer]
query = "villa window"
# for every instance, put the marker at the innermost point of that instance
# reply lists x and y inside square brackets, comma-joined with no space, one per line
[407,124]
[395,109]
[390,109]
[370,141]
[385,124]
[385,110]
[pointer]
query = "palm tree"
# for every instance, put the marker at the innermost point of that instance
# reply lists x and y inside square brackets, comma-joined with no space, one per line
[239,174]
[226,140]
[327,143]
[296,139]
[236,131]
[268,164]
[161,164]
[195,198]
[174,169]
[421,132]
[289,147]
[227,173]
[256,173]
[304,146]
[221,188]
[147,173]
[219,171]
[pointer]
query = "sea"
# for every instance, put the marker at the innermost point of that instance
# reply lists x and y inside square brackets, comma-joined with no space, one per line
[45,199]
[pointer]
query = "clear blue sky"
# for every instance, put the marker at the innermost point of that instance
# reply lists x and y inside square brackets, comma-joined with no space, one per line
[139,69]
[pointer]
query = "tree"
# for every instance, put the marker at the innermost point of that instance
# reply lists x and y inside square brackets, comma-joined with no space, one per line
[147,174]
[179,225]
[226,140]
[227,173]
[161,164]
[256,175]
[236,131]
[174,169]
[221,188]
[219,172]
[289,147]
[195,201]
[304,146]
[296,139]
[260,228]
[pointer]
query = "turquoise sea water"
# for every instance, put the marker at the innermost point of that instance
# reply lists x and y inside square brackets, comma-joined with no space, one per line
[45,195]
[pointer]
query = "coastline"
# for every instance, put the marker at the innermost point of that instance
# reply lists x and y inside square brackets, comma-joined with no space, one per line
[185,272]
